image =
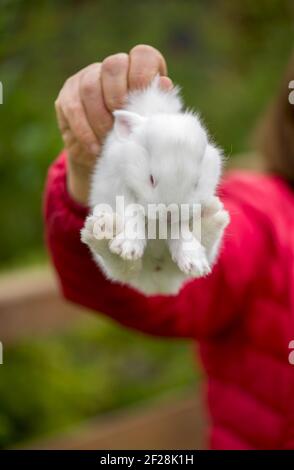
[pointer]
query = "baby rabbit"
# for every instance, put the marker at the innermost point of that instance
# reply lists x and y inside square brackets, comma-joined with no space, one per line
[154,181]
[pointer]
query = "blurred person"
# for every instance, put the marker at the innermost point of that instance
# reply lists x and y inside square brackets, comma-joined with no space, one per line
[242,314]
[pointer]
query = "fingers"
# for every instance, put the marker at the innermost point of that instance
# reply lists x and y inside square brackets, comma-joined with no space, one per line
[136,70]
[145,63]
[114,78]
[85,103]
[71,115]
[91,93]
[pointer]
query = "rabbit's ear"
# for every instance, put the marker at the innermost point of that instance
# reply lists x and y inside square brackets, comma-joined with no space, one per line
[125,122]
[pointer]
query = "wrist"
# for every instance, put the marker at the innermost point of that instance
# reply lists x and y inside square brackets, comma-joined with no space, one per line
[78,181]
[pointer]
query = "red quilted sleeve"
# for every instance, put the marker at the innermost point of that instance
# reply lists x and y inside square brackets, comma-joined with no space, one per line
[203,307]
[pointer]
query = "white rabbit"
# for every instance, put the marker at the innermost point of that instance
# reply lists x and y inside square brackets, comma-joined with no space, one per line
[156,157]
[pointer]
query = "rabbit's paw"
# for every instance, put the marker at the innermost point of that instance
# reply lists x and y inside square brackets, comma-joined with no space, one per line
[104,224]
[130,250]
[191,259]
[211,207]
[87,235]
[214,216]
[193,265]
[214,220]
[221,219]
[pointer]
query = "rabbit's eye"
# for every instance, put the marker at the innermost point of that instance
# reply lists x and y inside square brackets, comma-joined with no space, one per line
[152,180]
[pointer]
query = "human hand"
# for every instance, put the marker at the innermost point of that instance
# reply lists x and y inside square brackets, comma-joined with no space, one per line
[85,103]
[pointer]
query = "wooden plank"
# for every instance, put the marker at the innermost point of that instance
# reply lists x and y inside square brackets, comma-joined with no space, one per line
[30,304]
[174,423]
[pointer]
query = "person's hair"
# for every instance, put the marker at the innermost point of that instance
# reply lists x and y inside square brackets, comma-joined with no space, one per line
[277,133]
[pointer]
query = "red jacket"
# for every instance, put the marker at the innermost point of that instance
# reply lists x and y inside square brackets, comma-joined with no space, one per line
[242,315]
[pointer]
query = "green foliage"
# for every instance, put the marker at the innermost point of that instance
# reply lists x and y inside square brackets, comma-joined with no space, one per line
[50,384]
[226,55]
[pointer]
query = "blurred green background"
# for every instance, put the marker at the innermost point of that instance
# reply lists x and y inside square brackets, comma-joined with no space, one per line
[228,58]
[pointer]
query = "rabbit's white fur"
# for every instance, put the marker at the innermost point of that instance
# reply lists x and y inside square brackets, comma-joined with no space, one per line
[155,154]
